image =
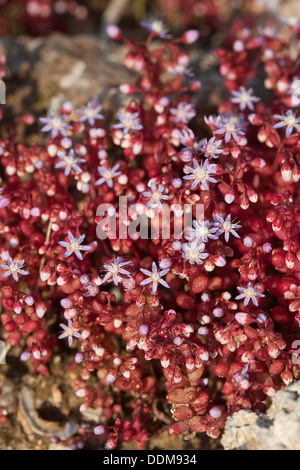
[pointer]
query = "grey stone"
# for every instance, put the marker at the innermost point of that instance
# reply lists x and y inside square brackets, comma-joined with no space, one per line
[42,73]
[278,429]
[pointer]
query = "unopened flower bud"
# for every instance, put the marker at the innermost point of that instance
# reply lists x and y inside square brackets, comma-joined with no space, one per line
[111,377]
[99,430]
[286,172]
[114,32]
[165,362]
[190,36]
[229,196]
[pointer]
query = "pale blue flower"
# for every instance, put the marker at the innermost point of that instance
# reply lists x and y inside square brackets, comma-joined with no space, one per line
[225,226]
[91,113]
[194,252]
[74,246]
[183,113]
[202,231]
[201,174]
[13,268]
[116,271]
[70,162]
[56,125]
[230,127]
[91,289]
[249,293]
[155,277]
[288,120]
[69,332]
[107,175]
[128,122]
[211,147]
[244,98]
[180,69]
[156,196]
[3,200]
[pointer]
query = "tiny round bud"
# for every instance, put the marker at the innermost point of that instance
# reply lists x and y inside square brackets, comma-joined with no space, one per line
[176,245]
[190,36]
[261,318]
[25,356]
[99,430]
[218,312]
[238,45]
[29,300]
[165,264]
[79,357]
[220,261]
[111,377]
[178,341]
[229,196]
[203,331]
[85,334]
[243,318]
[67,107]
[177,183]
[215,412]
[114,32]
[248,242]
[144,329]
[267,248]
[66,303]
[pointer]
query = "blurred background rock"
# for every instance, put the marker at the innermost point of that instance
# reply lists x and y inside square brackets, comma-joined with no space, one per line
[41,17]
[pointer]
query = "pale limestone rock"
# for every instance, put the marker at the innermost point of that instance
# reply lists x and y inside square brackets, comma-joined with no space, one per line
[278,429]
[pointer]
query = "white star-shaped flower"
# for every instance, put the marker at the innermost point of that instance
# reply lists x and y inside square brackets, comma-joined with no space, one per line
[74,245]
[155,277]
[13,267]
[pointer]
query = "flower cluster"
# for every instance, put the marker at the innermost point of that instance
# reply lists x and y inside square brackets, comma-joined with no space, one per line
[207,315]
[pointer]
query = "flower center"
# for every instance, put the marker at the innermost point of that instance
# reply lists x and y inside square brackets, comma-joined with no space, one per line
[210,148]
[181,114]
[227,226]
[230,127]
[114,269]
[90,113]
[128,122]
[250,292]
[156,196]
[158,26]
[202,231]
[155,277]
[69,331]
[245,98]
[14,268]
[290,121]
[70,161]
[108,175]
[74,246]
[179,68]
[56,123]
[193,254]
[200,174]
